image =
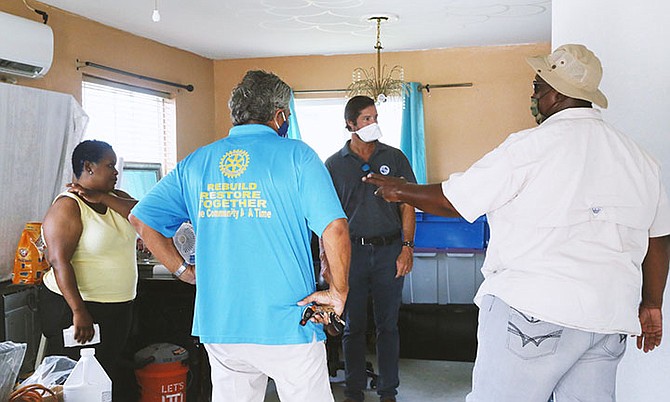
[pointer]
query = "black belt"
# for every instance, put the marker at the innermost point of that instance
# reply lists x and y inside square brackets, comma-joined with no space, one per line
[375,240]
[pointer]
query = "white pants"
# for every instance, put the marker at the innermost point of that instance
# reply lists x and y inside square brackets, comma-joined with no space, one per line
[523,359]
[240,372]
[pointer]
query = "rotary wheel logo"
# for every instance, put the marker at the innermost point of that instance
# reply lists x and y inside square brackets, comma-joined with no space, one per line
[234,163]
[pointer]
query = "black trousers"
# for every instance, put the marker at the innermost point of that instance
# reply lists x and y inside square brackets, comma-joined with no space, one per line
[115,320]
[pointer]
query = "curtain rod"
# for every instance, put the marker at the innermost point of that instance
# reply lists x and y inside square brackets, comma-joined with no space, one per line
[318,91]
[427,87]
[188,87]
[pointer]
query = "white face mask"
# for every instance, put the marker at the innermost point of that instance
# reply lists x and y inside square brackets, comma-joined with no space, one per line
[370,132]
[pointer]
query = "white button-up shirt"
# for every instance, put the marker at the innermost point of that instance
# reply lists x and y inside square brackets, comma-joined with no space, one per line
[571,205]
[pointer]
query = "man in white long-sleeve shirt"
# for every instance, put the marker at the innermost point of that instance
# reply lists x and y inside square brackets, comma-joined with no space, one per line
[578,255]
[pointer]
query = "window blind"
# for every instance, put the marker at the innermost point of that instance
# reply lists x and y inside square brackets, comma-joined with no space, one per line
[140,124]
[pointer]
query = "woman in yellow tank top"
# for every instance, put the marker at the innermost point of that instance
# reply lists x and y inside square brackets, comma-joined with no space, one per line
[91,248]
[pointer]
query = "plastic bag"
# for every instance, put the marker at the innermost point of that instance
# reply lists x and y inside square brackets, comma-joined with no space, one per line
[11,358]
[30,262]
[54,370]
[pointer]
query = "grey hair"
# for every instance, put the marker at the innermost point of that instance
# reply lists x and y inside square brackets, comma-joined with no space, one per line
[257,97]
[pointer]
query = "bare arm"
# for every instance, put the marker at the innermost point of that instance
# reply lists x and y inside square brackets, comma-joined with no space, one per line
[120,201]
[62,229]
[325,271]
[336,243]
[163,249]
[427,197]
[654,276]
[405,259]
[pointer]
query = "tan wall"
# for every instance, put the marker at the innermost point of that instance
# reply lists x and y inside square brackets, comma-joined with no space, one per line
[462,124]
[79,38]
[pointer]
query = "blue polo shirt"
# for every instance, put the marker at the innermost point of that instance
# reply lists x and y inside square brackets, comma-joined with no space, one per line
[253,198]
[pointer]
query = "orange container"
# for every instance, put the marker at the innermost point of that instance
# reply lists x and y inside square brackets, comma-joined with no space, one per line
[30,262]
[162,382]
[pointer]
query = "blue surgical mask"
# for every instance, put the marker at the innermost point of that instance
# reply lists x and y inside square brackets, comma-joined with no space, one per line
[283,129]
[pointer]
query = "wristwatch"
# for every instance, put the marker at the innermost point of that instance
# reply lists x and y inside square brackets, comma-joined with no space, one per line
[408,243]
[182,268]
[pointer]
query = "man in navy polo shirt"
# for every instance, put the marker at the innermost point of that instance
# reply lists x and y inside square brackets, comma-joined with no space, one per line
[382,242]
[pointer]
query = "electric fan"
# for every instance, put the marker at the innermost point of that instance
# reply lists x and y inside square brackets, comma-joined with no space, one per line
[184,241]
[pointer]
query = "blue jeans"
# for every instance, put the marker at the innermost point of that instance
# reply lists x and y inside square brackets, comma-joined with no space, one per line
[523,359]
[373,270]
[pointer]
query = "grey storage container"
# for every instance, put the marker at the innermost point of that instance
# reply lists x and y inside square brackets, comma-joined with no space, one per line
[442,277]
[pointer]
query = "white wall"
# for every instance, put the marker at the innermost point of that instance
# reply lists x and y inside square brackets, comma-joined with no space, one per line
[632,40]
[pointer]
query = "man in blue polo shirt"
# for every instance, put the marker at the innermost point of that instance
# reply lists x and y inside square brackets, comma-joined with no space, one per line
[253,198]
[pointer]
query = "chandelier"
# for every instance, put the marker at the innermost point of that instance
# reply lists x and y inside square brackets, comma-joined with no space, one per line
[378,83]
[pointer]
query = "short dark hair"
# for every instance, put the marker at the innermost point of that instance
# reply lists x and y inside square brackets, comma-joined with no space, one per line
[88,151]
[354,107]
[257,97]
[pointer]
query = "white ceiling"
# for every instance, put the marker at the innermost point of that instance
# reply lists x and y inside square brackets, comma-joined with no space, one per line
[226,29]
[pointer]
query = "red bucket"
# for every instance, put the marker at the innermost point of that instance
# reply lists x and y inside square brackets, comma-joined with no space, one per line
[161,371]
[162,382]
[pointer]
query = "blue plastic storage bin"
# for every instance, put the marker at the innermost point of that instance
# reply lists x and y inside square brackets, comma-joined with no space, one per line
[434,231]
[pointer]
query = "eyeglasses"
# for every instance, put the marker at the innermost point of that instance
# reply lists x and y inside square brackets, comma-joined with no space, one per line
[537,85]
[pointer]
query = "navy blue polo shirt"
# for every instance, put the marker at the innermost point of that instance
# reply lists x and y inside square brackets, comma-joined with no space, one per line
[368,214]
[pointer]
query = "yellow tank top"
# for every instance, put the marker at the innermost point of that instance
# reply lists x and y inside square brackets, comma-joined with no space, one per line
[104,261]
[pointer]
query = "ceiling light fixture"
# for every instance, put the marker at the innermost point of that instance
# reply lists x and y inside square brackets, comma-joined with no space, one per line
[377,83]
[155,16]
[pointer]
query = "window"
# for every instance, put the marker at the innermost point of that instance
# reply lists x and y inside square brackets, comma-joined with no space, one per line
[322,125]
[140,124]
[137,178]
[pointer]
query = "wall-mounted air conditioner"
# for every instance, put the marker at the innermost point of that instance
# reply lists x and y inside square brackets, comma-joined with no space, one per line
[26,46]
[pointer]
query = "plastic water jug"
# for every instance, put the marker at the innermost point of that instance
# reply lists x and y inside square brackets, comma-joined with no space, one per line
[88,381]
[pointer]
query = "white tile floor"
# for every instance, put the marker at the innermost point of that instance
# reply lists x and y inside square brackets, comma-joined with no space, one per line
[420,381]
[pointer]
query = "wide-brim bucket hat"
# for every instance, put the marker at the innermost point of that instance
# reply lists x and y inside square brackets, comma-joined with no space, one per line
[572,70]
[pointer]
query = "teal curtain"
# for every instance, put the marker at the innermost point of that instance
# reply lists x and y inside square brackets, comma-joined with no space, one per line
[293,129]
[411,134]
